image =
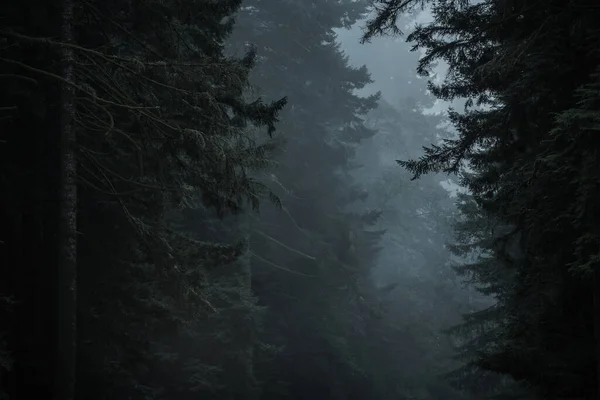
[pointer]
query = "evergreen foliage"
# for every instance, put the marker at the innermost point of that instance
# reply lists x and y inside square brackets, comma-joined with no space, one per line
[343,285]
[163,126]
[315,284]
[416,285]
[524,150]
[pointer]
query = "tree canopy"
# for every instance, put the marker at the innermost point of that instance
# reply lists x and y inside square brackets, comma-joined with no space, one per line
[525,149]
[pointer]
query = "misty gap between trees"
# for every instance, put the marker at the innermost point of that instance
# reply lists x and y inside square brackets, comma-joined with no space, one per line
[208,199]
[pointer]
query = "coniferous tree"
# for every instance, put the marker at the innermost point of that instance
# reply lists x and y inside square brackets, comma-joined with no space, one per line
[162,125]
[417,288]
[528,150]
[311,260]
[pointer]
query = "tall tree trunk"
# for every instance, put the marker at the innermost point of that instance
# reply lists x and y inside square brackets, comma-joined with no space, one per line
[67,227]
[597,327]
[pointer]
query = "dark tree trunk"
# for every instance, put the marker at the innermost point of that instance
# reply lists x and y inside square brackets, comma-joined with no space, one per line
[597,327]
[67,229]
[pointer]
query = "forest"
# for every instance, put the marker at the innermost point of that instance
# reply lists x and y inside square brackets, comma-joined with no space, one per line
[300,199]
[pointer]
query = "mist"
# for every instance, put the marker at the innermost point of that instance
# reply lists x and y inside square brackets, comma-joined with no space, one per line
[390,317]
[294,199]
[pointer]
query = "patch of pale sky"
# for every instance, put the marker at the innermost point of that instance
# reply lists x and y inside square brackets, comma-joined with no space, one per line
[370,54]
[382,57]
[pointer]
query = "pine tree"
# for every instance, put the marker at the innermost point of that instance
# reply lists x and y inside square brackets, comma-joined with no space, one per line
[417,293]
[162,124]
[517,60]
[310,260]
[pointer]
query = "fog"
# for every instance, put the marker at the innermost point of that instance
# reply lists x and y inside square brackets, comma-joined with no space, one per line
[241,200]
[239,226]
[387,322]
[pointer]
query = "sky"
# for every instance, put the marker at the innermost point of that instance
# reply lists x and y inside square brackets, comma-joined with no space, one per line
[389,59]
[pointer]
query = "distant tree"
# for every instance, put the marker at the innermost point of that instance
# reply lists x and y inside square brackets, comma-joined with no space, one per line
[418,292]
[312,260]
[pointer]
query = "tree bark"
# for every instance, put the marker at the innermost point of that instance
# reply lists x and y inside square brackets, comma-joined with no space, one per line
[67,224]
[596,289]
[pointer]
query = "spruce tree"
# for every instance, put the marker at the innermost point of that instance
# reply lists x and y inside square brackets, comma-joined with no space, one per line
[311,260]
[514,64]
[162,124]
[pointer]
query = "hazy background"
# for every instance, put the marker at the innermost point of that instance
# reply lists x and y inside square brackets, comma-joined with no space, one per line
[389,60]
